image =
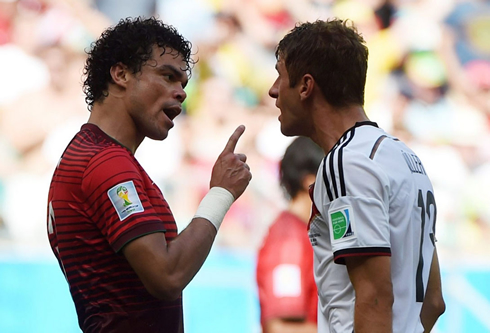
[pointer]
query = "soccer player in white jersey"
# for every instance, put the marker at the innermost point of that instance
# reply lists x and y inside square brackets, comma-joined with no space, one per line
[373,219]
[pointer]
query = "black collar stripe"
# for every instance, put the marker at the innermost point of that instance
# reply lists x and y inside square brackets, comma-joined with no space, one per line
[341,166]
[332,172]
[325,179]
[336,153]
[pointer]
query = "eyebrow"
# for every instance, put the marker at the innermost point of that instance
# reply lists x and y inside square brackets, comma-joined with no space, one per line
[175,71]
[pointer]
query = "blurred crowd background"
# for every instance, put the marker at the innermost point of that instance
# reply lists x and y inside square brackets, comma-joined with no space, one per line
[428,83]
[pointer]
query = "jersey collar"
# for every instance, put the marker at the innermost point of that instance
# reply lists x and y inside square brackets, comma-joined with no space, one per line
[96,129]
[362,123]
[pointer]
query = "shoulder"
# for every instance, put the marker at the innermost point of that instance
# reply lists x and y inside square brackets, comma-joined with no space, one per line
[359,147]
[112,158]
[86,151]
[350,166]
[364,138]
[109,166]
[91,142]
[112,154]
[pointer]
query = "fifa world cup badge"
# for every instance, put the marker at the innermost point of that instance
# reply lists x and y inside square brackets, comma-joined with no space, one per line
[125,199]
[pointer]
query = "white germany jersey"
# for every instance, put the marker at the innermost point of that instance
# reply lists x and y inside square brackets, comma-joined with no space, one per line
[371,197]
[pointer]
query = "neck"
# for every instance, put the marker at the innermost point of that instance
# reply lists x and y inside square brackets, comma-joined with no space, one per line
[103,115]
[331,123]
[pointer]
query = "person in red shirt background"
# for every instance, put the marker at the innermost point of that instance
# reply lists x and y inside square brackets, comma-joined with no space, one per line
[287,290]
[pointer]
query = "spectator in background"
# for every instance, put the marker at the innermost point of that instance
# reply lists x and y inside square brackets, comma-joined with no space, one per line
[287,290]
[41,67]
[466,50]
[121,9]
[8,11]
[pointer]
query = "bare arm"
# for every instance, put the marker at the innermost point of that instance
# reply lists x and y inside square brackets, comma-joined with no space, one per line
[371,278]
[278,325]
[433,305]
[166,268]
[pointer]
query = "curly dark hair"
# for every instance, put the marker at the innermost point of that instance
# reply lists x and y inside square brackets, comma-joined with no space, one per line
[302,158]
[334,53]
[130,42]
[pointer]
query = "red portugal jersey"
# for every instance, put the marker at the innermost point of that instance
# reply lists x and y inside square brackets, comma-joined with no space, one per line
[100,199]
[285,272]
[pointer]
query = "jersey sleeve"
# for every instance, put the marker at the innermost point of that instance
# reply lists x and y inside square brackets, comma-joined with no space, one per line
[116,198]
[283,268]
[358,219]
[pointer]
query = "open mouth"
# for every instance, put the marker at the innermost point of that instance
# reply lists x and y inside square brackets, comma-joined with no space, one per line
[172,112]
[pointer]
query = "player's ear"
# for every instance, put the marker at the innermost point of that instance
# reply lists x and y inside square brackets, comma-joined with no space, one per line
[120,74]
[306,86]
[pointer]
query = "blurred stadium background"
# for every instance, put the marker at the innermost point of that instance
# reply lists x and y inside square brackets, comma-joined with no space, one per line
[428,83]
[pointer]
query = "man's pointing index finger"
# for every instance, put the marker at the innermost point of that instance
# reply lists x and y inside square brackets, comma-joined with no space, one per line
[232,141]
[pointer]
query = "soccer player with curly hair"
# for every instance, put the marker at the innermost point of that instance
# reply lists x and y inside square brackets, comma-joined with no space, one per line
[109,225]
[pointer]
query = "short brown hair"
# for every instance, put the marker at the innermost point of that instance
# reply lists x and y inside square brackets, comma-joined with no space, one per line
[334,53]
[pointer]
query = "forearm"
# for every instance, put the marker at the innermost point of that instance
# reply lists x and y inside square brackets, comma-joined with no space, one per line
[374,315]
[186,253]
[433,306]
[166,268]
[429,316]
[371,279]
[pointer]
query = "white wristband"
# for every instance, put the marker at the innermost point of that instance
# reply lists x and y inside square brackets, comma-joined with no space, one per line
[215,205]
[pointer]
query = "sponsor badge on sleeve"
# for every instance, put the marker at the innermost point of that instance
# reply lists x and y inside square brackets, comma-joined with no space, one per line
[341,224]
[125,199]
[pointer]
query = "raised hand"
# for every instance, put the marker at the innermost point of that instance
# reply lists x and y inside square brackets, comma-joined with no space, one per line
[230,170]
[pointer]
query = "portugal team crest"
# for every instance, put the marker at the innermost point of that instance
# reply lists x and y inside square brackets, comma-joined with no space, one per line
[125,199]
[341,226]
